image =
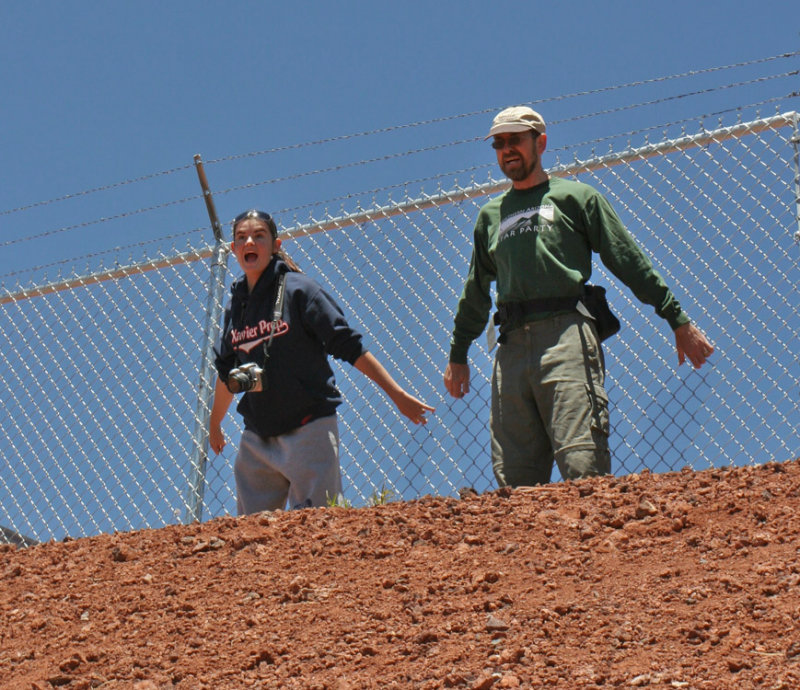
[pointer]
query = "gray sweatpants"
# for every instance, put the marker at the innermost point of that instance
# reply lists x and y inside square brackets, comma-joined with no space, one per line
[549,403]
[301,466]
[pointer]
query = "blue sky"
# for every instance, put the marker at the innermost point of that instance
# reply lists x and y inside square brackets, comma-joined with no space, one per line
[96,93]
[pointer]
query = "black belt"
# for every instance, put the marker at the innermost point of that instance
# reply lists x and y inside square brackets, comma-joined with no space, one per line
[592,296]
[514,311]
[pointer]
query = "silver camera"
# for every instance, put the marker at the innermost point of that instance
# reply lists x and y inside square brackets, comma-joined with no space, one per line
[247,378]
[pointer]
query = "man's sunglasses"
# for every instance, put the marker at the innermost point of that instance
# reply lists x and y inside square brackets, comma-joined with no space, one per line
[513,140]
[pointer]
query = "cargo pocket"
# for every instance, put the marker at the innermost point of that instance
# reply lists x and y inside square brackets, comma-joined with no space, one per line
[599,403]
[600,428]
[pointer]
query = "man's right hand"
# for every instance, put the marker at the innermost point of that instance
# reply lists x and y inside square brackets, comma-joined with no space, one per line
[456,379]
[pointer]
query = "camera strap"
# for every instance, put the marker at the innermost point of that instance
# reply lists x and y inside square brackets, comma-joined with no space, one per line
[277,312]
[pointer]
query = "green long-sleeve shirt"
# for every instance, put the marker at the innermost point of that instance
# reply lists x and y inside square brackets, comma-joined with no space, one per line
[538,243]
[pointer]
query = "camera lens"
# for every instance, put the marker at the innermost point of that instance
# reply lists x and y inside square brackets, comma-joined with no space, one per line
[245,379]
[239,382]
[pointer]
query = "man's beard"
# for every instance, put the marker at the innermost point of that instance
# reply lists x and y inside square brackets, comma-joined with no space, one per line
[522,171]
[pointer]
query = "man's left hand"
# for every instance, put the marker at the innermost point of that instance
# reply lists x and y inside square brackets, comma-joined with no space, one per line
[692,345]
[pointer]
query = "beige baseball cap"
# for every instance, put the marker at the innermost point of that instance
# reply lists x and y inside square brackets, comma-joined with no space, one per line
[518,118]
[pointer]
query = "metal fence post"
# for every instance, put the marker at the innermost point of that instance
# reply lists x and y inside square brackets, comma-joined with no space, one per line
[207,374]
[796,144]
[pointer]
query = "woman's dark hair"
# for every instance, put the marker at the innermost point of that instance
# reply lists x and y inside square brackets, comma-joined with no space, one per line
[273,228]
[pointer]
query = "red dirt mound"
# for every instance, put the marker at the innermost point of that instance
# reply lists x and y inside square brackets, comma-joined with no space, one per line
[683,580]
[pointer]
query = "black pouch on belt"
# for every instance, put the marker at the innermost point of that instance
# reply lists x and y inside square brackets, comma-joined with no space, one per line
[594,299]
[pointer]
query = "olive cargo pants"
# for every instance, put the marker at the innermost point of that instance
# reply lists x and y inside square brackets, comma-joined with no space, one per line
[549,403]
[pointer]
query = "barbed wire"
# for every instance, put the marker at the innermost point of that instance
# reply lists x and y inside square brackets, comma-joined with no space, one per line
[428,149]
[89,257]
[689,94]
[490,165]
[341,199]
[344,166]
[377,190]
[458,142]
[96,221]
[664,126]
[94,190]
[392,128]
[93,256]
[493,109]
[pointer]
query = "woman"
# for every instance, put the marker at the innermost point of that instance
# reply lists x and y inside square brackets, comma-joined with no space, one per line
[279,330]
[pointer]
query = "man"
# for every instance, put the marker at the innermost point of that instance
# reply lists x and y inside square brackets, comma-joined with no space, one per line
[548,398]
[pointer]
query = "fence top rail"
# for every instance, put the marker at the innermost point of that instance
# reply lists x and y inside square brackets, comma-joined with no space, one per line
[471,191]
[115,273]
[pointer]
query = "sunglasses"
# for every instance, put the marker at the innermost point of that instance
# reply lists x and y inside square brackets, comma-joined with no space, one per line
[255,214]
[252,213]
[513,140]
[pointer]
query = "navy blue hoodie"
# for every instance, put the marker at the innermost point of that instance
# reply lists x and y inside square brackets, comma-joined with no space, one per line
[300,384]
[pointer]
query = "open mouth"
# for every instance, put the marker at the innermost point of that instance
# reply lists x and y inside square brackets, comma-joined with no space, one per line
[250,257]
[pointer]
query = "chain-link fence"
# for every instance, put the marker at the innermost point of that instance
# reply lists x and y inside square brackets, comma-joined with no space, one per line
[106,379]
